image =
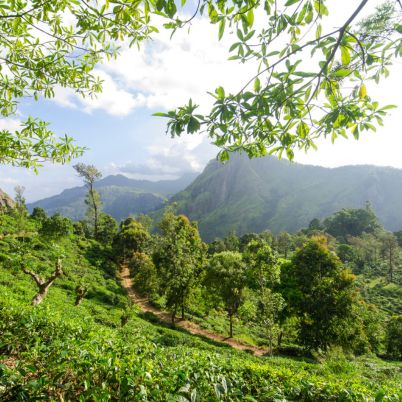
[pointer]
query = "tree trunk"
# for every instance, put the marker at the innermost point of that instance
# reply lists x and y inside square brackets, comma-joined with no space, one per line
[230,325]
[38,298]
[391,271]
[80,292]
[280,335]
[174,316]
[95,212]
[44,285]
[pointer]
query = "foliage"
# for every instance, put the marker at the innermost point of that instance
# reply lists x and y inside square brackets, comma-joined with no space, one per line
[289,103]
[107,228]
[144,274]
[55,227]
[321,292]
[45,351]
[352,222]
[90,174]
[50,44]
[179,258]
[132,238]
[394,337]
[227,278]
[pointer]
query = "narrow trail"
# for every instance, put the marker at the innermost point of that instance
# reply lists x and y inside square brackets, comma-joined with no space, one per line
[189,326]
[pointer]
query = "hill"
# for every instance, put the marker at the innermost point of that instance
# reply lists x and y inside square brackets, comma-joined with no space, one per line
[120,195]
[246,195]
[104,349]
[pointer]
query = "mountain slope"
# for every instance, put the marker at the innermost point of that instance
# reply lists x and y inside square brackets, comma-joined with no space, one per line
[120,195]
[253,195]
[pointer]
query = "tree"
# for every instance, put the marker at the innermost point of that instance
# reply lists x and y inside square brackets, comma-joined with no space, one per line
[107,228]
[20,211]
[291,102]
[263,273]
[39,215]
[179,258]
[144,274]
[227,278]
[44,284]
[320,291]
[42,50]
[56,227]
[284,243]
[90,174]
[262,265]
[390,249]
[132,238]
[394,337]
[287,104]
[352,222]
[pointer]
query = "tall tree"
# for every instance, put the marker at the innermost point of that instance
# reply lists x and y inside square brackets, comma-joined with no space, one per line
[320,291]
[227,278]
[132,238]
[179,258]
[352,222]
[90,174]
[390,249]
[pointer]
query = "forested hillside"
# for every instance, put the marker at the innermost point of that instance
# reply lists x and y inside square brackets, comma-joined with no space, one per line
[321,324]
[121,196]
[246,195]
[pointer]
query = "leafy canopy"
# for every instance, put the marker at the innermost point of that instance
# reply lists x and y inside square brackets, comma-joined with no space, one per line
[46,45]
[310,79]
[287,104]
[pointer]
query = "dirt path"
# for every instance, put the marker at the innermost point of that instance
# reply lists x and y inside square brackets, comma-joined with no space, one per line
[189,326]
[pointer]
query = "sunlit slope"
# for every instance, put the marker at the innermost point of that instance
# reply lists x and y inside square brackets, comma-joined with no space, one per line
[253,195]
[60,351]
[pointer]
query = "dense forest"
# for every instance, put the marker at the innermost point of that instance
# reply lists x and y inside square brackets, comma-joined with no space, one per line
[319,309]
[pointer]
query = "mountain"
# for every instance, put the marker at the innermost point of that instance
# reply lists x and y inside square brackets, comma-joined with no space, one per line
[6,201]
[120,195]
[246,195]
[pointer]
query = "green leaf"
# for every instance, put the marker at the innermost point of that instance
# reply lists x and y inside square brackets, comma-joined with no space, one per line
[290,2]
[343,72]
[257,85]
[362,91]
[250,17]
[224,155]
[345,55]
[221,28]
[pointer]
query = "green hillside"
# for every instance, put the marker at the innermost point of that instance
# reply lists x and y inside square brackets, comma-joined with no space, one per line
[120,195]
[61,351]
[246,195]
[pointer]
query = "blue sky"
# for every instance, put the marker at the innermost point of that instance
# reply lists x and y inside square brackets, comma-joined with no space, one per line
[123,137]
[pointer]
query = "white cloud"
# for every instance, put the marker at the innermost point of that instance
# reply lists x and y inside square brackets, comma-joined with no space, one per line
[170,159]
[114,100]
[10,124]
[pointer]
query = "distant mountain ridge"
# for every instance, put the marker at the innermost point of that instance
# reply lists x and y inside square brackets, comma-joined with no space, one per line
[246,195]
[121,196]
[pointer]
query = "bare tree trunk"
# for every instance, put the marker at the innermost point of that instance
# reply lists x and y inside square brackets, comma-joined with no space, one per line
[81,292]
[44,285]
[391,271]
[280,335]
[174,315]
[96,218]
[230,324]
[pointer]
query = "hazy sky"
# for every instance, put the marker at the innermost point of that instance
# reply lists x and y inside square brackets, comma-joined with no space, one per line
[123,137]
